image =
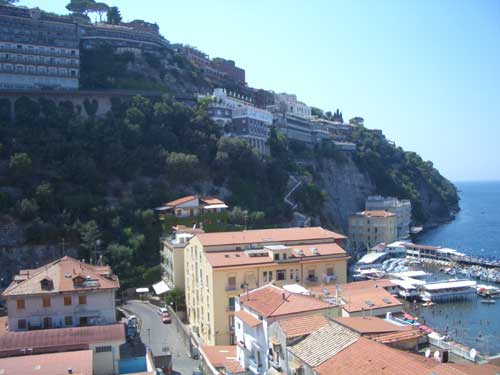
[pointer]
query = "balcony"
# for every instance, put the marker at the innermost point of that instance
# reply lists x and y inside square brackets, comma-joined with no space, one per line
[230,287]
[254,367]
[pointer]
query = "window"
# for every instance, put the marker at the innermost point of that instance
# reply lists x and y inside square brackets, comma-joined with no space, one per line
[21,324]
[291,275]
[264,275]
[68,321]
[84,321]
[103,349]
[46,301]
[270,275]
[20,304]
[284,256]
[82,300]
[280,275]
[232,303]
[47,323]
[231,322]
[277,256]
[329,271]
[67,301]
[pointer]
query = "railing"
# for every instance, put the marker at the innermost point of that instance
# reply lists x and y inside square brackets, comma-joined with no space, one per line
[230,287]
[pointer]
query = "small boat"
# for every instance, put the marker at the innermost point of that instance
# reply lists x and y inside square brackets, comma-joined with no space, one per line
[428,303]
[488,301]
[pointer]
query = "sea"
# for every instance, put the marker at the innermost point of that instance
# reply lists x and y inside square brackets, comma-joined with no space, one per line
[474,231]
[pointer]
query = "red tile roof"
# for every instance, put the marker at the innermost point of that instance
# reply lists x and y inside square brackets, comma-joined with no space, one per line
[302,325]
[365,357]
[49,364]
[182,200]
[247,318]
[54,339]
[222,356]
[62,273]
[395,337]
[219,259]
[267,236]
[369,325]
[271,301]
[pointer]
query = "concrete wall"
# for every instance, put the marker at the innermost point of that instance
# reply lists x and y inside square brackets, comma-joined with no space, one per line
[105,357]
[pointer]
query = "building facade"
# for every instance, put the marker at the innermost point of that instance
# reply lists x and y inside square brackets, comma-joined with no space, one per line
[220,266]
[401,208]
[369,228]
[64,293]
[38,50]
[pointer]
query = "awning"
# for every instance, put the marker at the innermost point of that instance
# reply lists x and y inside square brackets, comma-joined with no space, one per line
[160,287]
[142,290]
[212,206]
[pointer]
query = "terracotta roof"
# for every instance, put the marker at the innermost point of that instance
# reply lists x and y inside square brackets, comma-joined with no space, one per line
[369,325]
[302,325]
[12,342]
[211,200]
[222,356]
[49,364]
[272,301]
[247,318]
[323,344]
[61,274]
[241,258]
[361,295]
[377,213]
[182,200]
[467,369]
[365,357]
[267,236]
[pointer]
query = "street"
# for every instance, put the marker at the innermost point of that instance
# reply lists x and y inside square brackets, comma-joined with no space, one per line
[157,336]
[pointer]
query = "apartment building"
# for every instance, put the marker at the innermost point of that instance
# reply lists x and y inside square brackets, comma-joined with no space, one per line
[173,255]
[240,118]
[37,50]
[64,293]
[401,208]
[292,106]
[369,228]
[258,309]
[220,266]
[192,205]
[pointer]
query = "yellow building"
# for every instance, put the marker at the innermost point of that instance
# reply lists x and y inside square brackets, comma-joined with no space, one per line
[221,266]
[369,228]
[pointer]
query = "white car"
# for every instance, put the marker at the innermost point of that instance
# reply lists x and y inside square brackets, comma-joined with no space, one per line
[162,310]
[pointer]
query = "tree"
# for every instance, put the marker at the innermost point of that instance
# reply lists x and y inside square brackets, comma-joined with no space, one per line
[358,121]
[8,2]
[89,237]
[20,164]
[176,298]
[100,9]
[114,16]
[81,6]
[28,209]
[182,168]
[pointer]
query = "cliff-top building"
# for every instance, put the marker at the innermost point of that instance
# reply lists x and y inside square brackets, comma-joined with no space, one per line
[37,50]
[64,293]
[220,266]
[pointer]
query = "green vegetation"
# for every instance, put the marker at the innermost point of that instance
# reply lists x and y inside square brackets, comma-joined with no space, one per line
[114,16]
[399,173]
[92,181]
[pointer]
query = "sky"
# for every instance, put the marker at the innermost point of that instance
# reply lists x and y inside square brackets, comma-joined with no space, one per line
[425,72]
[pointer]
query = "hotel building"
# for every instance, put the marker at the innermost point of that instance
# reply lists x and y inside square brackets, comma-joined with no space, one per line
[221,266]
[369,228]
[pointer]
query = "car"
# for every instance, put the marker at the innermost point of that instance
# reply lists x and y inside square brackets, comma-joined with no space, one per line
[166,319]
[162,310]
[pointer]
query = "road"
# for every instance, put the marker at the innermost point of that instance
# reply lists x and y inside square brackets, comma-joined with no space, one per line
[157,336]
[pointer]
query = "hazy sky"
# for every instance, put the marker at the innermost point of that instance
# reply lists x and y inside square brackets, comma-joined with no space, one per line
[425,72]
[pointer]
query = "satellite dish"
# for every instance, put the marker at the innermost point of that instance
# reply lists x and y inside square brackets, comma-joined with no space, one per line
[436,354]
[473,353]
[428,353]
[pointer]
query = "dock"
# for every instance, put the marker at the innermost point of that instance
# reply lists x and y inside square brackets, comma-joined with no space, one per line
[451,290]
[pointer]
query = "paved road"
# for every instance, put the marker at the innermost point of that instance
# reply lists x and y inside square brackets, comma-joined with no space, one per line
[157,335]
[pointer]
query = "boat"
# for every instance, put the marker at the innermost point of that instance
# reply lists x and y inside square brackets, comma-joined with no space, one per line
[428,304]
[488,301]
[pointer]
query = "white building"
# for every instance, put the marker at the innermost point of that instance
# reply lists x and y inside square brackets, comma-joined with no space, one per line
[257,310]
[64,293]
[292,105]
[192,205]
[401,208]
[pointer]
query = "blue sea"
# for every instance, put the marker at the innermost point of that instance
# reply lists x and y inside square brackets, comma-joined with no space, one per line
[475,231]
[476,228]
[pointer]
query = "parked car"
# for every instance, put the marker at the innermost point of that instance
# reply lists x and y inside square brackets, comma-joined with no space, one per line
[162,310]
[166,319]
